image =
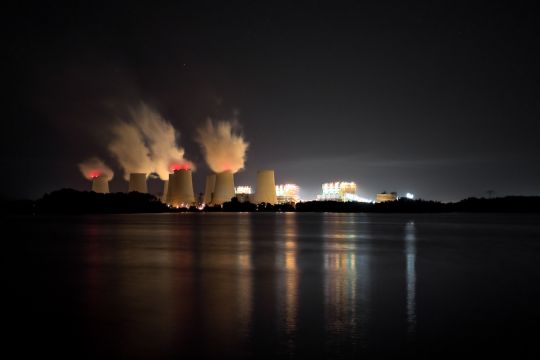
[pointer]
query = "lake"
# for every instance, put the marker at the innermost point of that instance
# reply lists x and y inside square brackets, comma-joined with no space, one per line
[273,285]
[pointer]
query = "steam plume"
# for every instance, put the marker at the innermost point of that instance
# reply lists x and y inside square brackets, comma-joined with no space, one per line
[130,150]
[160,136]
[94,167]
[223,149]
[147,144]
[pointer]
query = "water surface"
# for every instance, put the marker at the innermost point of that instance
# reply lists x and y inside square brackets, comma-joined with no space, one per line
[274,285]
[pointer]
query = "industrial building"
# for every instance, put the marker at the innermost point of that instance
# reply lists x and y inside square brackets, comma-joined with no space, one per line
[287,193]
[338,191]
[243,193]
[385,196]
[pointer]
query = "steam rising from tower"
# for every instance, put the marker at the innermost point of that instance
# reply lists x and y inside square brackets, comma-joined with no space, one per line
[161,138]
[130,150]
[147,144]
[94,169]
[224,150]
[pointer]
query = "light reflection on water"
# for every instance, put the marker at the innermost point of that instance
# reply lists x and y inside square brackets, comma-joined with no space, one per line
[275,285]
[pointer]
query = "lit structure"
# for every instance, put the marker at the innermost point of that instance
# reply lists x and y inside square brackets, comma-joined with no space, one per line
[338,191]
[384,196]
[409,196]
[243,190]
[100,184]
[209,188]
[137,182]
[287,193]
[266,187]
[180,192]
[224,188]
[243,193]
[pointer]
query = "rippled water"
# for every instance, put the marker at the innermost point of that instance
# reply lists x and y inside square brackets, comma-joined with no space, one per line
[274,285]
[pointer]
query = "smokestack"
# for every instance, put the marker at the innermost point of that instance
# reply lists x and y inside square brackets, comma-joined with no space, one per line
[266,187]
[165,190]
[224,188]
[209,189]
[137,182]
[100,184]
[182,194]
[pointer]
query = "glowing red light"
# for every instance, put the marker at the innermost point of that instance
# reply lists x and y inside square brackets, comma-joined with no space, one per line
[176,167]
[95,174]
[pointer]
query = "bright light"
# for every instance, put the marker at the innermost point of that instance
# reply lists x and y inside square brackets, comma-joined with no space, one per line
[409,196]
[337,191]
[287,193]
[243,190]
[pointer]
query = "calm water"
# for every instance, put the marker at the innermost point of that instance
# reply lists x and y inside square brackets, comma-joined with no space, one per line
[274,285]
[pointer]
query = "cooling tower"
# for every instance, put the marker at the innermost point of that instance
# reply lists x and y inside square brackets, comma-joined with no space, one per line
[100,184]
[224,188]
[165,190]
[171,190]
[137,182]
[182,194]
[209,189]
[265,192]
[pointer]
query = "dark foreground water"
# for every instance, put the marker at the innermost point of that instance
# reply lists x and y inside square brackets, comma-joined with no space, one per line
[273,286]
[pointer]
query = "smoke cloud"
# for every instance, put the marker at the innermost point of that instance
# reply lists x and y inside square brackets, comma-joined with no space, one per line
[223,149]
[161,138]
[94,167]
[147,144]
[129,149]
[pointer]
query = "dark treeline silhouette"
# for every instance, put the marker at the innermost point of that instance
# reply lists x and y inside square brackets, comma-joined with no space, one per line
[511,204]
[68,201]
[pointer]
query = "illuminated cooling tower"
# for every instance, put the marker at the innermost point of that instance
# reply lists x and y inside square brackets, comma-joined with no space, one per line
[181,189]
[224,188]
[209,188]
[100,184]
[137,182]
[165,190]
[171,190]
[265,191]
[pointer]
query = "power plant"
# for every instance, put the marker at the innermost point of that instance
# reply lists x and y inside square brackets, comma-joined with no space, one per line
[137,182]
[265,191]
[100,184]
[180,189]
[224,188]
[209,188]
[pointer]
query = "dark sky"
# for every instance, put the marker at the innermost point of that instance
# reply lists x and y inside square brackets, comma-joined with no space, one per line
[440,99]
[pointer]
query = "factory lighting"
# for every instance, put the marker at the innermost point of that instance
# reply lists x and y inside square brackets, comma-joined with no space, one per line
[287,193]
[409,196]
[243,190]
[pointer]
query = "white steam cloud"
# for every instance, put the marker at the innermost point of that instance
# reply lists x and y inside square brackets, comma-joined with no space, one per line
[147,144]
[129,149]
[223,149]
[161,138]
[94,167]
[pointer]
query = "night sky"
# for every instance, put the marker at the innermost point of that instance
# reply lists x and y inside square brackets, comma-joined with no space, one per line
[441,100]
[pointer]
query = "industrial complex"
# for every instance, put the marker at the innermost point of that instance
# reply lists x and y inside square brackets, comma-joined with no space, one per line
[220,188]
